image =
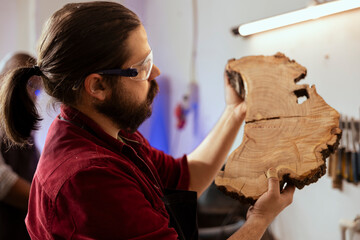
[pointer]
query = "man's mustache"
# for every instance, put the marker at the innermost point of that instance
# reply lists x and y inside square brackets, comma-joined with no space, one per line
[153,91]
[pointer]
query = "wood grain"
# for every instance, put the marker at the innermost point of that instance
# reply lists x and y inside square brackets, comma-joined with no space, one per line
[280,131]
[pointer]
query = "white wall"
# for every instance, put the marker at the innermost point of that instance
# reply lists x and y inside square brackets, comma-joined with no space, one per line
[329,48]
[15,28]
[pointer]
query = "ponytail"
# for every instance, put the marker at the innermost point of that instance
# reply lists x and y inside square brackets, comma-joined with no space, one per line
[18,112]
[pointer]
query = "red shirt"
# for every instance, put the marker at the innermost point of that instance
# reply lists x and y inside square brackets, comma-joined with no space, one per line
[89,185]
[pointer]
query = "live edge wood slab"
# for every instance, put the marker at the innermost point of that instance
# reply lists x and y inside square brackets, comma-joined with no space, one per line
[280,131]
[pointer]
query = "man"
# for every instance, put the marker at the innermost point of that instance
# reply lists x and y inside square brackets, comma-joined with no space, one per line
[98,178]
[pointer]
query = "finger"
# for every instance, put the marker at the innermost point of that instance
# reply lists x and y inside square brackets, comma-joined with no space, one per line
[272,173]
[226,78]
[288,194]
[289,189]
[273,180]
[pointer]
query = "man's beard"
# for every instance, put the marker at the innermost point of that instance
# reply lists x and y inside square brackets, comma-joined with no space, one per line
[122,110]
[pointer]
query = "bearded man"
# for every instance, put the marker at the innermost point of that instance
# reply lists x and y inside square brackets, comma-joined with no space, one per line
[98,177]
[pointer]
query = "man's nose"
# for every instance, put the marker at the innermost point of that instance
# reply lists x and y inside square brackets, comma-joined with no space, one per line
[155,72]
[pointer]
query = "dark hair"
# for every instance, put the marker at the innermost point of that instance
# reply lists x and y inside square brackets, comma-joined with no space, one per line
[15,60]
[13,105]
[79,39]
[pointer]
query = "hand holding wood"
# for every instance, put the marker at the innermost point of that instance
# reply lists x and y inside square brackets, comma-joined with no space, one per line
[272,202]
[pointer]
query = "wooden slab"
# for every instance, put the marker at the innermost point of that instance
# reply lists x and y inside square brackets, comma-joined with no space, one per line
[282,132]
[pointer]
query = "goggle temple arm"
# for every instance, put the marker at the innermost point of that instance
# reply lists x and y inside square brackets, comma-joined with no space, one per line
[130,72]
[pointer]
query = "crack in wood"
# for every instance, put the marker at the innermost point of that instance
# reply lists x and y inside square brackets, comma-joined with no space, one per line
[273,118]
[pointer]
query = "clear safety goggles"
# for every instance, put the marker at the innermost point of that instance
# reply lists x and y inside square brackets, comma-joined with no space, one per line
[138,72]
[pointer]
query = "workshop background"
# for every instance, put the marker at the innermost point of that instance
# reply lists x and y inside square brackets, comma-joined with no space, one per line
[192,62]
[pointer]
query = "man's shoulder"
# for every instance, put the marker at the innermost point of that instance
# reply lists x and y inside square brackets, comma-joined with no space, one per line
[69,152]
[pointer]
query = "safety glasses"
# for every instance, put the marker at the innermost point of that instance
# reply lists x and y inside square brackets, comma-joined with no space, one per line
[138,72]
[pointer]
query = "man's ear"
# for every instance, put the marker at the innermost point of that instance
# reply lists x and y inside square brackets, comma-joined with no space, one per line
[96,87]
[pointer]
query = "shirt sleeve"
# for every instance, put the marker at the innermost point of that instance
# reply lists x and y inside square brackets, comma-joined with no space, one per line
[102,203]
[7,178]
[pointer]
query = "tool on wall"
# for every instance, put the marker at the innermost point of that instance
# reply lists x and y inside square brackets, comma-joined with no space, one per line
[344,164]
[189,101]
[355,157]
[336,163]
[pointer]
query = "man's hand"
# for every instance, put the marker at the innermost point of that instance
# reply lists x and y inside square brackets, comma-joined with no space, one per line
[266,208]
[233,100]
[271,203]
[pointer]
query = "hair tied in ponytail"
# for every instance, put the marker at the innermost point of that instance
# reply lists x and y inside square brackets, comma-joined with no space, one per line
[35,70]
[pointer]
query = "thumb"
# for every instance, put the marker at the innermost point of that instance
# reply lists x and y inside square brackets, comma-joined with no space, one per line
[273,180]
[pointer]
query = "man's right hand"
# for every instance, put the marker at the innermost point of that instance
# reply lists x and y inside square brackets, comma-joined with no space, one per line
[266,208]
[271,203]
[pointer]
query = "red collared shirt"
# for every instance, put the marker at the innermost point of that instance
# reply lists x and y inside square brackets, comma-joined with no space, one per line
[89,185]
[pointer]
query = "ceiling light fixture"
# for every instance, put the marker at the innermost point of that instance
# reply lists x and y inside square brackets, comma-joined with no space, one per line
[309,13]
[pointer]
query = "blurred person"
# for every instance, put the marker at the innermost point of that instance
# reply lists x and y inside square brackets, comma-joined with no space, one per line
[98,177]
[17,164]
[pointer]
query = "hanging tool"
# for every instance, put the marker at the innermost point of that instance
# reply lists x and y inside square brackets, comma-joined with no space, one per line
[358,152]
[337,177]
[331,164]
[190,99]
[348,152]
[354,157]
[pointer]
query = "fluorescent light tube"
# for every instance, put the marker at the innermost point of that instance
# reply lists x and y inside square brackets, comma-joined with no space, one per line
[302,15]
